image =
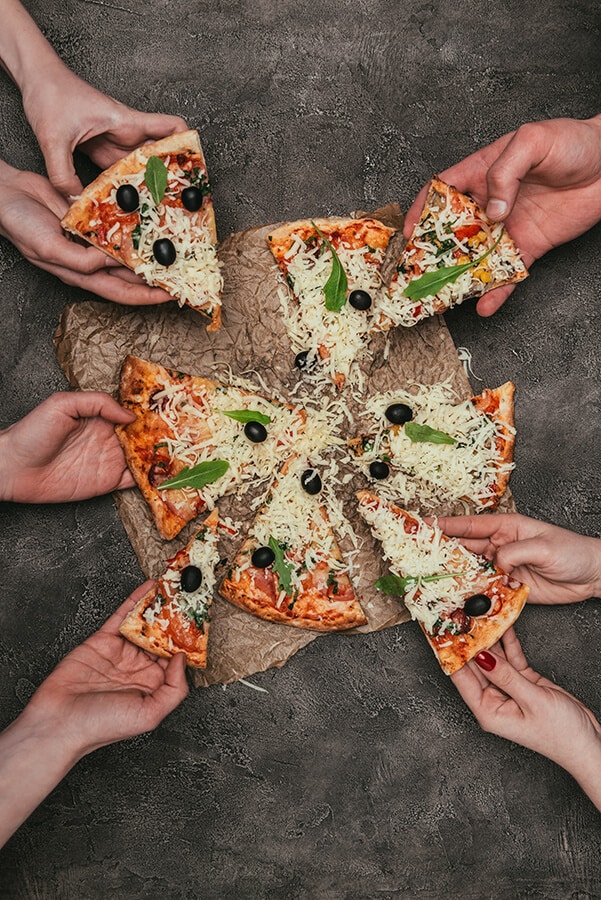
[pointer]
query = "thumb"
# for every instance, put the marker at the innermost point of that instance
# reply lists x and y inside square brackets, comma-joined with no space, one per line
[61,170]
[159,125]
[504,676]
[531,552]
[505,175]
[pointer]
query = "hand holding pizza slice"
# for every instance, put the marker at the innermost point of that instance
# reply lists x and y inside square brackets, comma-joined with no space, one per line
[463,602]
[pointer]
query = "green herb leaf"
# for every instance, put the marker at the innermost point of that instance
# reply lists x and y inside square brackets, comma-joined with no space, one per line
[281,566]
[197,476]
[246,415]
[336,286]
[423,434]
[156,178]
[430,283]
[394,584]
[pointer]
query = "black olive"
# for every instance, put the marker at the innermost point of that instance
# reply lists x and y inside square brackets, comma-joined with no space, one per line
[477,605]
[399,413]
[302,360]
[262,557]
[379,469]
[128,197]
[255,432]
[164,252]
[310,481]
[192,198]
[359,299]
[190,579]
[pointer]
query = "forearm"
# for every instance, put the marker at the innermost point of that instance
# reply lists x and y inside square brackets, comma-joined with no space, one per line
[587,772]
[25,54]
[33,760]
[6,467]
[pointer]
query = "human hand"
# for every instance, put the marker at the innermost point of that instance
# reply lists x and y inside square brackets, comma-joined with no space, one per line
[543,181]
[67,113]
[511,700]
[108,689]
[30,216]
[560,566]
[65,449]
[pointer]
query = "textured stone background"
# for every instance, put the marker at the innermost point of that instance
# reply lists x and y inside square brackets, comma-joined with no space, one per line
[360,773]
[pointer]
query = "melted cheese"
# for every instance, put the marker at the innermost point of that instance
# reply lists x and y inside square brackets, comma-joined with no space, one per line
[195,277]
[425,553]
[427,474]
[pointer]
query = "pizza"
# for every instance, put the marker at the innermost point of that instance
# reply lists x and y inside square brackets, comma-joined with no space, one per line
[290,568]
[174,616]
[215,439]
[152,211]
[334,290]
[431,450]
[454,253]
[462,601]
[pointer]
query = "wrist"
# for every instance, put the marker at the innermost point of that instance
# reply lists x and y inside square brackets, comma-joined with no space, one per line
[586,767]
[25,54]
[6,476]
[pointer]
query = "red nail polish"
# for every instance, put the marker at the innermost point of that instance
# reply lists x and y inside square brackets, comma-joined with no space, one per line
[485,660]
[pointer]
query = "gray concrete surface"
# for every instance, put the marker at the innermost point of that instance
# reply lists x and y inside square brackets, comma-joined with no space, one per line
[359,773]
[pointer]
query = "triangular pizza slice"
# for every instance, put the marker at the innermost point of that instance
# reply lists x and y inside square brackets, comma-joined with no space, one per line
[454,253]
[462,601]
[195,440]
[153,211]
[431,451]
[290,568]
[174,616]
[332,270]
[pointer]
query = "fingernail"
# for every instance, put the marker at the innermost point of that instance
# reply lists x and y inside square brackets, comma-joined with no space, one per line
[496,209]
[485,660]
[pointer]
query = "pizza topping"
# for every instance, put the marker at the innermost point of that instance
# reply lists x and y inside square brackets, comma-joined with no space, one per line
[262,557]
[399,413]
[127,198]
[379,469]
[311,482]
[164,252]
[255,432]
[477,605]
[156,177]
[301,360]
[424,434]
[282,566]
[192,198]
[430,283]
[197,476]
[359,299]
[191,579]
[247,415]
[335,288]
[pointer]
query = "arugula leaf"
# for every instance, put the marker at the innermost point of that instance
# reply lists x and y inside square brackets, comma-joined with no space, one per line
[246,415]
[423,434]
[155,177]
[336,286]
[197,476]
[430,283]
[281,566]
[394,584]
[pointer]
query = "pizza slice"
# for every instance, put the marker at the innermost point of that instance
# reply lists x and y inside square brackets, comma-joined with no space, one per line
[332,270]
[153,211]
[290,568]
[462,601]
[431,451]
[454,253]
[195,440]
[174,616]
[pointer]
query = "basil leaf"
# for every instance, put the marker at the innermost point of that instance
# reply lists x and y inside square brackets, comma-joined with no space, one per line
[423,434]
[281,566]
[196,477]
[430,283]
[394,584]
[336,286]
[155,177]
[246,415]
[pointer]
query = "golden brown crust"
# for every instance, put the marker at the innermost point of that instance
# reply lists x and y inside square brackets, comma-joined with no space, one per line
[85,208]
[139,380]
[498,404]
[454,650]
[354,233]
[180,635]
[326,600]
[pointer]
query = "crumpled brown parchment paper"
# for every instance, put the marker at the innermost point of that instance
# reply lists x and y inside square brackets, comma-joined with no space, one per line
[93,339]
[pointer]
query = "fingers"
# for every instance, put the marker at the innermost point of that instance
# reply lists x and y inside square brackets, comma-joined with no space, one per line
[523,152]
[503,675]
[513,650]
[492,301]
[533,552]
[158,125]
[414,212]
[473,527]
[111,286]
[88,404]
[61,170]
[111,626]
